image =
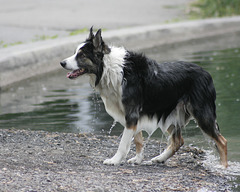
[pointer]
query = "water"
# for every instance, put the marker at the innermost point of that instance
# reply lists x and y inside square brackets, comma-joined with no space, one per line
[112,126]
[54,103]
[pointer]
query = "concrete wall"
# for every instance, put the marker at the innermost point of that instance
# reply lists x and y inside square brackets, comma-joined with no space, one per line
[25,61]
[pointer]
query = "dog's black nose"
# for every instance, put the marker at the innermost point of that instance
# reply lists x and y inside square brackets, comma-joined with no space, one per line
[63,63]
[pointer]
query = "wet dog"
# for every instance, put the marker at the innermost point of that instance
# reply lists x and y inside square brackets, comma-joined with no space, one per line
[144,95]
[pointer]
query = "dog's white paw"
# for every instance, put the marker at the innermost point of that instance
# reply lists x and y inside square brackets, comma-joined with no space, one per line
[163,157]
[159,159]
[136,160]
[112,161]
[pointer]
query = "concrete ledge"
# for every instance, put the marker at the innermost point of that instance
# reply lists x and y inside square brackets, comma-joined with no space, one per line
[24,61]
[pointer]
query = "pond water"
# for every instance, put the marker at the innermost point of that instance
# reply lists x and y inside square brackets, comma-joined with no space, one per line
[54,103]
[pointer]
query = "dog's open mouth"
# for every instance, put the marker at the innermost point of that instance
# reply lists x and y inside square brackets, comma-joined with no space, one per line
[74,74]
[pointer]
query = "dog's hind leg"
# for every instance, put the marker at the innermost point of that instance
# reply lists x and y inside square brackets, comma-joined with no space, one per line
[175,142]
[221,143]
[123,148]
[207,122]
[210,127]
[138,140]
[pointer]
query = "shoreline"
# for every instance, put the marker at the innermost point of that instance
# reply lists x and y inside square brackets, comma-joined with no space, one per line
[28,60]
[44,161]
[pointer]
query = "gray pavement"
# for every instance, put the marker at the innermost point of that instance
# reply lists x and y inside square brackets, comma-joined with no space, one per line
[28,20]
[134,24]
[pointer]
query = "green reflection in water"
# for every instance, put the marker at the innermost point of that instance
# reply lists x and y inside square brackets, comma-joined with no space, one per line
[224,66]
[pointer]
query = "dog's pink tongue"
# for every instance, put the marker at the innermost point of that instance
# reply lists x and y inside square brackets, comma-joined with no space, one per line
[72,75]
[69,75]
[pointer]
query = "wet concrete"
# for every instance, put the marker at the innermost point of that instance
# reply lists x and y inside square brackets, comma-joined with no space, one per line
[26,20]
[29,60]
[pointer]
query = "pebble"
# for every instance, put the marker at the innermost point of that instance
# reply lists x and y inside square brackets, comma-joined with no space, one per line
[42,161]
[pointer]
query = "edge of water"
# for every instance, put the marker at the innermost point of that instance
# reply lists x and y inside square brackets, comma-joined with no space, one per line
[28,60]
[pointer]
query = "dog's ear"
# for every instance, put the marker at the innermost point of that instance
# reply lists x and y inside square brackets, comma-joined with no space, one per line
[97,41]
[91,35]
[99,44]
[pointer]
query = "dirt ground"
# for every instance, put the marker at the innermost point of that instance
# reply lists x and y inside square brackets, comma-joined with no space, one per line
[41,161]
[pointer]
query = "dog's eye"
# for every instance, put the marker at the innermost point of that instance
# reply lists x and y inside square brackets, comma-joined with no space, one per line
[81,54]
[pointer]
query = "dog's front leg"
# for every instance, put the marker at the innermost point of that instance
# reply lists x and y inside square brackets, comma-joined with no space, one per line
[123,147]
[138,140]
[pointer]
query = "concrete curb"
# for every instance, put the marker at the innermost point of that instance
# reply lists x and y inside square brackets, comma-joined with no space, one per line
[24,61]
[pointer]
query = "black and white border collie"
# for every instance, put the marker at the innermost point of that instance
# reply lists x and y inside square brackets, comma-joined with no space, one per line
[144,95]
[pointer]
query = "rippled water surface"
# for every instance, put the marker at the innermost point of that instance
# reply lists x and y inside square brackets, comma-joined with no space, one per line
[55,103]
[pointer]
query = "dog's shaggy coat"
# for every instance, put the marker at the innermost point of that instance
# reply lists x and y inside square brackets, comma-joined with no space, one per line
[142,94]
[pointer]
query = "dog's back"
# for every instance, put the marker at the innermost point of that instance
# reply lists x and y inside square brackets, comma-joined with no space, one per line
[144,95]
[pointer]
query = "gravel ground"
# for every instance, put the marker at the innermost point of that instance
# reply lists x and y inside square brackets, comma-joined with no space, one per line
[43,161]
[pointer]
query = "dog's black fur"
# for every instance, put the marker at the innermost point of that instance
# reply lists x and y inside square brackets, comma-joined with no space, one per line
[155,90]
[160,93]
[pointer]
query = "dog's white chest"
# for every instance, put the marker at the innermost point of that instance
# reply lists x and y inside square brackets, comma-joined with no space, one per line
[114,107]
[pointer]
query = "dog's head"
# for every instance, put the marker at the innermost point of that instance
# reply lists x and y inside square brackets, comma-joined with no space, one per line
[88,57]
